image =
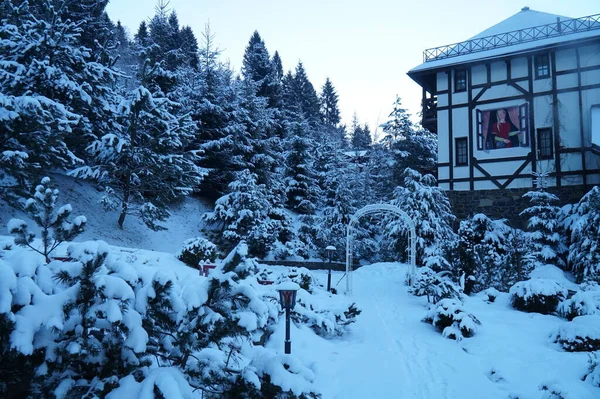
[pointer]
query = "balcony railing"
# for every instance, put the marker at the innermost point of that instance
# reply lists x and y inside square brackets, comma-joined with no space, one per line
[559,28]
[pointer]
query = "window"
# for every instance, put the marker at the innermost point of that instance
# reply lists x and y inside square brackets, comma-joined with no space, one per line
[542,66]
[501,128]
[596,125]
[460,80]
[461,151]
[545,143]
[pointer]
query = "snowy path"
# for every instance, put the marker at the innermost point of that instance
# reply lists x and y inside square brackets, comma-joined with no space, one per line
[389,353]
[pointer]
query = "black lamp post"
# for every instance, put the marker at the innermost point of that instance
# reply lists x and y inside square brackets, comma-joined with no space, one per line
[330,250]
[287,297]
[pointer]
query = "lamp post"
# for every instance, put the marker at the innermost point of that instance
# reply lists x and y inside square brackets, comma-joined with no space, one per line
[330,250]
[287,297]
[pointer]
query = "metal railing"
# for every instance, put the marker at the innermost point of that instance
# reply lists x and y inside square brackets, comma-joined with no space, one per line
[558,28]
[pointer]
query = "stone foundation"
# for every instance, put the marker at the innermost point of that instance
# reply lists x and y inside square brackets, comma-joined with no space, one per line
[507,203]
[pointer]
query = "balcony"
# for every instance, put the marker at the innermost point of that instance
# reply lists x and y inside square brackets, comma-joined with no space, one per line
[429,120]
[559,28]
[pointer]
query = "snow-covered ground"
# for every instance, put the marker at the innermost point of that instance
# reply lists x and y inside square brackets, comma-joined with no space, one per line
[390,353]
[184,223]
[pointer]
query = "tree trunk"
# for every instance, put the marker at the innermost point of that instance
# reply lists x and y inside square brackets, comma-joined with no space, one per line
[126,192]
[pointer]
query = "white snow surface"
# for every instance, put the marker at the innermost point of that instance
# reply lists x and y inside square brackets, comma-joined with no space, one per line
[388,353]
[84,198]
[391,353]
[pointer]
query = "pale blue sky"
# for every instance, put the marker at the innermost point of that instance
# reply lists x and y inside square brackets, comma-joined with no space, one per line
[364,46]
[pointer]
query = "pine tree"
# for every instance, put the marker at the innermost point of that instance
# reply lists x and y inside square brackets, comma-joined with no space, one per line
[56,96]
[302,189]
[329,105]
[544,228]
[94,347]
[410,147]
[483,255]
[53,222]
[360,136]
[145,165]
[429,208]
[257,67]
[584,252]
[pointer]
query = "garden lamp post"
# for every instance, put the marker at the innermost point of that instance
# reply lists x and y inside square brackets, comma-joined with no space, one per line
[287,297]
[330,249]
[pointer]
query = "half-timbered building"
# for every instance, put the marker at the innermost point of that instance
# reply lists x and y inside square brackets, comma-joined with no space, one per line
[519,99]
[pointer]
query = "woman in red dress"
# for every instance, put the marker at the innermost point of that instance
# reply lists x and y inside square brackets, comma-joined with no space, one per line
[501,129]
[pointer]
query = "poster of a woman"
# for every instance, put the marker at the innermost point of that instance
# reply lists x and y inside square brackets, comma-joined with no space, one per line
[501,128]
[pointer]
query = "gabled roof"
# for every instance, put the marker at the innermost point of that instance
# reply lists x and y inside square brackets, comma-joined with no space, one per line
[525,19]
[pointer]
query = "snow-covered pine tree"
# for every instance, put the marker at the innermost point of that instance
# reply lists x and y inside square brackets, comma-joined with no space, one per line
[258,67]
[330,110]
[584,251]
[53,222]
[301,101]
[146,164]
[360,136]
[482,254]
[56,97]
[302,187]
[242,214]
[544,228]
[410,147]
[429,208]
[96,345]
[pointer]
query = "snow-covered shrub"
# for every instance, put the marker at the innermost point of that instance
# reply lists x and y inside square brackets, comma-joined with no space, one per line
[593,375]
[325,321]
[299,275]
[580,304]
[491,294]
[53,222]
[584,224]
[450,317]
[537,295]
[196,250]
[435,286]
[582,334]
[99,326]
[326,314]
[553,390]
[545,230]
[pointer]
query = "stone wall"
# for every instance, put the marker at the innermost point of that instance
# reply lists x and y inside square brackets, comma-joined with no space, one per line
[507,203]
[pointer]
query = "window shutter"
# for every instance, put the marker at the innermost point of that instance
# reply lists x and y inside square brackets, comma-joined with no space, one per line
[524,122]
[479,123]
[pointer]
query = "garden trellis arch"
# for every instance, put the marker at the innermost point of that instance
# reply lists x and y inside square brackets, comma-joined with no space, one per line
[379,208]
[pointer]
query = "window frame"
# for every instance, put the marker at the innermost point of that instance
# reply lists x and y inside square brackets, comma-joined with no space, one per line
[541,61]
[550,139]
[456,76]
[458,158]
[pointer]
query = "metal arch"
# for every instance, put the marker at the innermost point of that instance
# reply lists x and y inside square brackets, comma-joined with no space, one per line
[378,208]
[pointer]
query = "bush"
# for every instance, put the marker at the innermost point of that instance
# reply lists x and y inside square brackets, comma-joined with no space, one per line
[537,295]
[450,317]
[435,286]
[581,304]
[580,335]
[196,250]
[491,294]
[593,376]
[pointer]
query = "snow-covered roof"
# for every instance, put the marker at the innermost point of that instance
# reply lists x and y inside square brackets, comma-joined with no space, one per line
[513,35]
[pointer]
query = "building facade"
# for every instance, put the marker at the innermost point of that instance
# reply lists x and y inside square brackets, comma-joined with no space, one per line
[519,100]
